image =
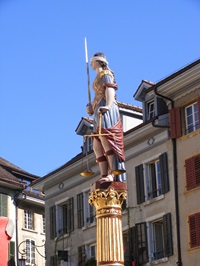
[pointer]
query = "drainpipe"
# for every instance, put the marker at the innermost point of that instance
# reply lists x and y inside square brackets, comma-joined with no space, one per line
[19,197]
[174,145]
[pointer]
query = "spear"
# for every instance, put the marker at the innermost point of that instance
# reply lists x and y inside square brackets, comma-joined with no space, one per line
[88,73]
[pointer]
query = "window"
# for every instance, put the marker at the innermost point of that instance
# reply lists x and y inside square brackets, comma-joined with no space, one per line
[86,253]
[194,230]
[192,169]
[152,179]
[43,224]
[28,219]
[92,250]
[150,241]
[191,118]
[66,217]
[88,145]
[160,238]
[30,252]
[81,255]
[151,110]
[89,211]
[3,205]
[141,242]
[86,212]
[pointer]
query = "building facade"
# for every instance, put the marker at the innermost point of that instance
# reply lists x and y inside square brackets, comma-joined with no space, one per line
[25,208]
[161,214]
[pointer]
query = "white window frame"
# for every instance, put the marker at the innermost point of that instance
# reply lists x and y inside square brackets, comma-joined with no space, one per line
[92,248]
[151,109]
[150,232]
[149,179]
[87,144]
[194,125]
[28,219]
[30,252]
[59,217]
[88,245]
[89,211]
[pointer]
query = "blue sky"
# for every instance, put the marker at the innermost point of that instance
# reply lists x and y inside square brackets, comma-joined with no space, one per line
[43,81]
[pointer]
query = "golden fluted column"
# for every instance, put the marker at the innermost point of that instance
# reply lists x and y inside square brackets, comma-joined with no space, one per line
[108,198]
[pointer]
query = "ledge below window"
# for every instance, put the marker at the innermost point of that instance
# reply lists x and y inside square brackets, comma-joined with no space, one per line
[30,230]
[159,261]
[88,226]
[146,203]
[190,135]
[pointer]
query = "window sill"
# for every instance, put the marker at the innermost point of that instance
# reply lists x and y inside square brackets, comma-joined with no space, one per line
[88,226]
[148,202]
[30,230]
[191,191]
[194,249]
[159,261]
[190,135]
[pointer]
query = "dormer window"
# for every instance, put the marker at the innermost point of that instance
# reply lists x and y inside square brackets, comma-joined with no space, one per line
[150,110]
[88,144]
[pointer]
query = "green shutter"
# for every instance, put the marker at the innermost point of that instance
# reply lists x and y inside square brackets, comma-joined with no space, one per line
[11,253]
[164,173]
[167,229]
[139,176]
[80,210]
[3,205]
[70,215]
[141,243]
[52,213]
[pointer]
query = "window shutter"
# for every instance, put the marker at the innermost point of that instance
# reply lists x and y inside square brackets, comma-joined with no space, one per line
[3,205]
[139,175]
[53,261]
[194,228]
[197,170]
[160,106]
[198,102]
[175,123]
[192,169]
[80,210]
[167,228]
[81,255]
[133,246]
[190,177]
[11,251]
[70,215]
[164,173]
[141,243]
[52,212]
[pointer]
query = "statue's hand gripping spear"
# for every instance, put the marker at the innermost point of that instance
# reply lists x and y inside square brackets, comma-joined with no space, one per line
[89,105]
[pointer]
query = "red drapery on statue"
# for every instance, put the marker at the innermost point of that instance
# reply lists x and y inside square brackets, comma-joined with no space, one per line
[4,240]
